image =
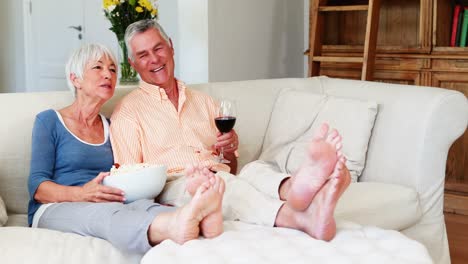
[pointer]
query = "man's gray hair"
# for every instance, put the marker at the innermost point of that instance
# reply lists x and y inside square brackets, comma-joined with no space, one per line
[82,56]
[140,27]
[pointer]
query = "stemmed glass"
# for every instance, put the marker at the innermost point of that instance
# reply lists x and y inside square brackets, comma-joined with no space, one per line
[225,122]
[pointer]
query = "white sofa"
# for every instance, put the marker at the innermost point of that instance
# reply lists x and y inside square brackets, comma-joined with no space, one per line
[401,186]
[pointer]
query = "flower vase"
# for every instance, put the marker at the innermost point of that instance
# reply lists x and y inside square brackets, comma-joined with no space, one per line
[127,74]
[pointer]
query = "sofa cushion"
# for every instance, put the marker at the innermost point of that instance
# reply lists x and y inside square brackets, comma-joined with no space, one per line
[17,220]
[245,243]
[384,205]
[49,246]
[3,213]
[298,114]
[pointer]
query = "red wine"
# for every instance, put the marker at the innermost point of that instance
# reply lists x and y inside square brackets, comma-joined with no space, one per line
[225,123]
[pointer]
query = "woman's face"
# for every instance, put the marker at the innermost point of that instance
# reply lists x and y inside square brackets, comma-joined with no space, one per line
[99,79]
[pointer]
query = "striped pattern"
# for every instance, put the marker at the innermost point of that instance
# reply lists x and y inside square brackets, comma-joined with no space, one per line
[145,127]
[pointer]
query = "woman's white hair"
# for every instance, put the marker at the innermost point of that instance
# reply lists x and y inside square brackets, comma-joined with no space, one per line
[82,56]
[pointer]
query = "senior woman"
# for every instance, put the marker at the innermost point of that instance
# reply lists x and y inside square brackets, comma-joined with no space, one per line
[71,152]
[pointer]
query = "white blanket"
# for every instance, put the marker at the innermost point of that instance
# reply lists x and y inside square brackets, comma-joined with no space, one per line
[244,243]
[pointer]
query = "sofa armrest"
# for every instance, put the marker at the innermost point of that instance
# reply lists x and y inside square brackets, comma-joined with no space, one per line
[3,213]
[413,132]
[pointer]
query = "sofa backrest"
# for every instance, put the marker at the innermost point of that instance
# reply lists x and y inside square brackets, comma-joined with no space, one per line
[406,113]
[255,101]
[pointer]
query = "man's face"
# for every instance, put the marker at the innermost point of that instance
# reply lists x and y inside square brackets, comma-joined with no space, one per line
[153,58]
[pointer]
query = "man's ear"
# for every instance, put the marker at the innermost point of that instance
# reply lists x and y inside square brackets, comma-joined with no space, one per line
[75,80]
[131,62]
[170,42]
[172,46]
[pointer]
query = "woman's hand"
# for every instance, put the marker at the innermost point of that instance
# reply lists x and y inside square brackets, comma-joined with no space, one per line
[94,191]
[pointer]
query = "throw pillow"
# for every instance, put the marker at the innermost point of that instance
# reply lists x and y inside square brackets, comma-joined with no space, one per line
[3,213]
[292,115]
[354,119]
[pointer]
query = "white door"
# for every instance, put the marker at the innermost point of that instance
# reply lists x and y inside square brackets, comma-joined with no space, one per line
[53,29]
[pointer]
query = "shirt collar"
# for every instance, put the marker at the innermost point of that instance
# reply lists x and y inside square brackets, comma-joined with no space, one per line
[160,93]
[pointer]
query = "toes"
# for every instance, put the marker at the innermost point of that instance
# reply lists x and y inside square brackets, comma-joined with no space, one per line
[189,170]
[322,131]
[339,165]
[339,154]
[212,181]
[337,171]
[331,136]
[222,186]
[343,159]
[199,167]
[336,140]
[338,146]
[207,173]
[216,183]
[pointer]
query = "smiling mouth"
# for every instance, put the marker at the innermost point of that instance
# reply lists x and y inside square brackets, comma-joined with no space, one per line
[158,69]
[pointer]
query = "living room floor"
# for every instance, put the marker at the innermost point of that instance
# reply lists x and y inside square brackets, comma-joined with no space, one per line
[457,231]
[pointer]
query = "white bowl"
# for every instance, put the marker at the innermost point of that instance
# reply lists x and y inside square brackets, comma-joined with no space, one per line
[143,183]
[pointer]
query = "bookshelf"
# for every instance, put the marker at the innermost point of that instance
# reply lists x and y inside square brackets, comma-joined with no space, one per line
[442,24]
[413,47]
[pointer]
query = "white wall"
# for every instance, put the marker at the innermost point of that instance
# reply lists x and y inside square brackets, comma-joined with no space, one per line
[214,40]
[97,26]
[12,70]
[168,18]
[256,39]
[193,36]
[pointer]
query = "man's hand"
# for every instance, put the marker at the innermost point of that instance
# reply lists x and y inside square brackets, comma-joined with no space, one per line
[229,141]
[94,191]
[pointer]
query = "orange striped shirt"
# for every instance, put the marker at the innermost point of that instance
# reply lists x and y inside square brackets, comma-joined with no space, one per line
[146,127]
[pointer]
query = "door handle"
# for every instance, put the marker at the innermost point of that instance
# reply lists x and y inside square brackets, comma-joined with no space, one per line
[79,28]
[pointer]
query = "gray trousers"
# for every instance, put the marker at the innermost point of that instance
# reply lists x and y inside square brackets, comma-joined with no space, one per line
[123,225]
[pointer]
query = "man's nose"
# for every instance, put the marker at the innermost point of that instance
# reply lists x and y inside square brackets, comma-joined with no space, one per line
[154,58]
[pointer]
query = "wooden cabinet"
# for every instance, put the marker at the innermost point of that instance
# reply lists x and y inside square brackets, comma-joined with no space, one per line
[405,26]
[412,48]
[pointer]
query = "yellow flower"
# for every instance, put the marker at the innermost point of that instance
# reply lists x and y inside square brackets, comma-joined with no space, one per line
[145,4]
[106,3]
[132,10]
[110,4]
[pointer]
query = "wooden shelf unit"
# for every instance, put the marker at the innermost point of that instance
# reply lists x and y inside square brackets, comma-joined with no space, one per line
[412,48]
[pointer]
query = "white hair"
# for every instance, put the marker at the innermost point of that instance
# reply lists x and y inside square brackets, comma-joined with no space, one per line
[140,27]
[81,57]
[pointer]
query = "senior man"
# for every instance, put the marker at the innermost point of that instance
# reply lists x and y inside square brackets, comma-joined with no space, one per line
[165,122]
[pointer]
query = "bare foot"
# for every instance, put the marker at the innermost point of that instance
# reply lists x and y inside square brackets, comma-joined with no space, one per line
[323,153]
[212,225]
[196,175]
[318,220]
[183,224]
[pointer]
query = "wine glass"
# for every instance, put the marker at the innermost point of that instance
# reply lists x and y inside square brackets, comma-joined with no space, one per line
[225,122]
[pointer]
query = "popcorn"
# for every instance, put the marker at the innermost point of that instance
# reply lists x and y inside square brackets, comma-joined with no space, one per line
[121,169]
